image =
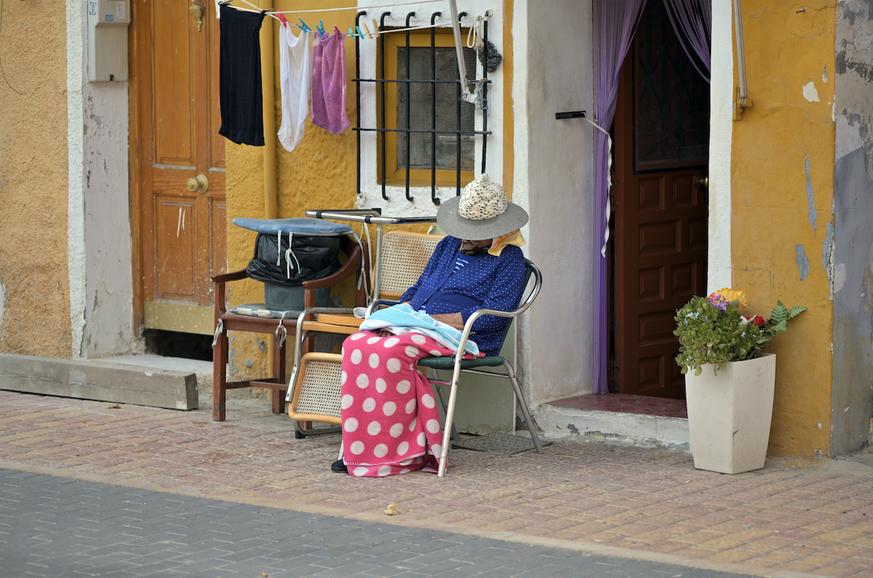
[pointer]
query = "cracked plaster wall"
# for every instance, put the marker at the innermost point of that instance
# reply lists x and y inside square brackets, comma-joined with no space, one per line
[852,258]
[108,303]
[782,163]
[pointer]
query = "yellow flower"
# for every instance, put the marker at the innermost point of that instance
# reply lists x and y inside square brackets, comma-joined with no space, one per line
[732,295]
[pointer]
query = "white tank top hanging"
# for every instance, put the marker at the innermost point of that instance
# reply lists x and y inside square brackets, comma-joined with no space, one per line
[295,69]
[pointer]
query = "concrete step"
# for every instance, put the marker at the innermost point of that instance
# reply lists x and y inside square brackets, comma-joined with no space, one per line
[625,419]
[100,381]
[621,419]
[201,369]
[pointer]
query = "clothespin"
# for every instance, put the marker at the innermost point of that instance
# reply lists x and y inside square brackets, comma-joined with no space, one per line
[320,27]
[352,32]
[337,30]
[360,34]
[375,28]
[305,28]
[366,30]
[282,19]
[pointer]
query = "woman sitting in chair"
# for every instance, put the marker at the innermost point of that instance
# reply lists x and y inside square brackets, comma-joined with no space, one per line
[390,421]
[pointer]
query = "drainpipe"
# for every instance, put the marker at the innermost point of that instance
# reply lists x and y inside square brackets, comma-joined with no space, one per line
[271,201]
[742,98]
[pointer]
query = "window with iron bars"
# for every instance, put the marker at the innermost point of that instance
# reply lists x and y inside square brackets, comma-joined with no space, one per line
[425,131]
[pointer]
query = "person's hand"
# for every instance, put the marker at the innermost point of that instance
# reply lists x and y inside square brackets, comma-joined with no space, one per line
[383,333]
[456,320]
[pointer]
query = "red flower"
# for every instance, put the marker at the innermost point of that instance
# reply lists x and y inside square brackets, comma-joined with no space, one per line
[758,320]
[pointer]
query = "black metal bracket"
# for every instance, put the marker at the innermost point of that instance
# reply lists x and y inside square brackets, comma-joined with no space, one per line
[571,114]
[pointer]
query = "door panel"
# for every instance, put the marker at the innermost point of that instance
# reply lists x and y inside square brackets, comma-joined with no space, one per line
[183,231]
[175,241]
[660,218]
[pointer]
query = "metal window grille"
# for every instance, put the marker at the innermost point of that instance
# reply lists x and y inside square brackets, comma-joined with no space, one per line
[407,132]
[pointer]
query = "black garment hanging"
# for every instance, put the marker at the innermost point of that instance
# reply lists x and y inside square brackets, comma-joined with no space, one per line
[242,118]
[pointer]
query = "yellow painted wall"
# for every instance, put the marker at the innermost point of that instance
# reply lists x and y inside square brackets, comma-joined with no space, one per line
[34,296]
[786,50]
[319,174]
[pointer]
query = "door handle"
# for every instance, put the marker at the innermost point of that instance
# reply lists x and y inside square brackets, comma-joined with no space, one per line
[197,11]
[198,184]
[701,181]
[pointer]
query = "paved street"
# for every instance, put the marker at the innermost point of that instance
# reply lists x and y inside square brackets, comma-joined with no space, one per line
[59,527]
[94,488]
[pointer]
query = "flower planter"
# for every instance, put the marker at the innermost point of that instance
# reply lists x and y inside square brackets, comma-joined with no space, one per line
[729,414]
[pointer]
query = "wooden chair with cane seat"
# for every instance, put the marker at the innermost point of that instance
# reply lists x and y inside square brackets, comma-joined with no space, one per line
[315,379]
[256,318]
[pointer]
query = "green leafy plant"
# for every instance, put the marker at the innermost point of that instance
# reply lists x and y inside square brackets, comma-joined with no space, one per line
[713,330]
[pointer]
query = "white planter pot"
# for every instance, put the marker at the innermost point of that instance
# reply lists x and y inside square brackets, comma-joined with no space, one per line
[729,414]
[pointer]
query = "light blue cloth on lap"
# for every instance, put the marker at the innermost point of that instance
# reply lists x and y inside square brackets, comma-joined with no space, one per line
[400,319]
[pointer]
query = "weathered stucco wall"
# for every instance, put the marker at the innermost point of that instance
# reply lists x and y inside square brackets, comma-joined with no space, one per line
[553,169]
[781,197]
[34,314]
[852,260]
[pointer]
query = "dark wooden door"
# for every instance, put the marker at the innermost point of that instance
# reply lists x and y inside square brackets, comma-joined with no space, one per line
[659,247]
[183,230]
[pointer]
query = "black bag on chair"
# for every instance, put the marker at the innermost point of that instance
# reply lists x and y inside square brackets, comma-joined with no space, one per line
[309,258]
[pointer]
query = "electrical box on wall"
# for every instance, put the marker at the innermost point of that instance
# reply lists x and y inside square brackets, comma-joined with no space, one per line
[107,39]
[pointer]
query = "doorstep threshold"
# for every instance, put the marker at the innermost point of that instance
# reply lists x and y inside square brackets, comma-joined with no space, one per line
[633,419]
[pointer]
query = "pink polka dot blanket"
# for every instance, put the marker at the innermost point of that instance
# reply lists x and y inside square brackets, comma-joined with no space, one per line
[391,423]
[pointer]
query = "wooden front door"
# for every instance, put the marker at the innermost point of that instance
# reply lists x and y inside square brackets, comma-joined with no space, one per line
[659,248]
[182,219]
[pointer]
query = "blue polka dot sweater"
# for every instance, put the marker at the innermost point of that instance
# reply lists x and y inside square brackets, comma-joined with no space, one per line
[453,283]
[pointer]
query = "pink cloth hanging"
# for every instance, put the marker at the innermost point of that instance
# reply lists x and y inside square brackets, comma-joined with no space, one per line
[329,83]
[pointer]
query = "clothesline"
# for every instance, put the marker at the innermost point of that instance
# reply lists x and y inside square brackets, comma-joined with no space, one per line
[392,5]
[322,73]
[275,13]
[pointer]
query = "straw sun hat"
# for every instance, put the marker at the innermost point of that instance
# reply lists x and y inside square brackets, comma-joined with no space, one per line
[481,212]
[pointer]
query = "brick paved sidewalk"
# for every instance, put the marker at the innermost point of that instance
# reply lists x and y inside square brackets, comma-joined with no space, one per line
[623,500]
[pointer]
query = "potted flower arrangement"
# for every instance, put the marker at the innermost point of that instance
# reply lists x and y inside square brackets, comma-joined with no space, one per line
[729,382]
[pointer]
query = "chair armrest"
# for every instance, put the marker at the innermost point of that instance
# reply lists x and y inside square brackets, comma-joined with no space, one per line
[299,333]
[351,267]
[372,306]
[522,307]
[234,276]
[220,291]
[313,310]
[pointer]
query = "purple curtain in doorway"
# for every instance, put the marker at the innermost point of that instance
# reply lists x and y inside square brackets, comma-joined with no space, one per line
[692,22]
[615,22]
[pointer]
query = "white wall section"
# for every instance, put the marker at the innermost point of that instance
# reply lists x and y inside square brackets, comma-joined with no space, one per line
[99,237]
[397,204]
[75,202]
[554,180]
[721,130]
